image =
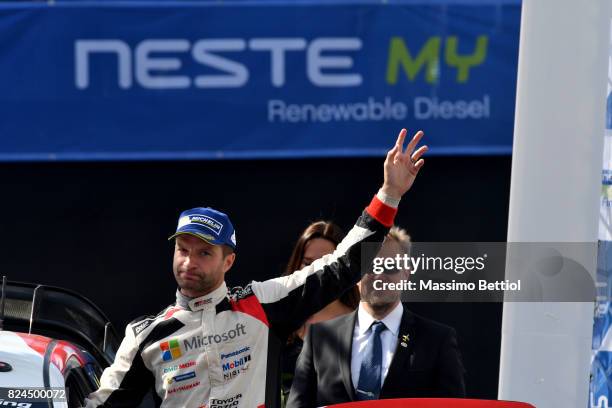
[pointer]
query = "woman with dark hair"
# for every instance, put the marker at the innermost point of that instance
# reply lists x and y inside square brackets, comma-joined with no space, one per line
[318,239]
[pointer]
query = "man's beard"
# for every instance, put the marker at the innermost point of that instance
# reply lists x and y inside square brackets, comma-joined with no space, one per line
[378,298]
[381,309]
[200,285]
[192,285]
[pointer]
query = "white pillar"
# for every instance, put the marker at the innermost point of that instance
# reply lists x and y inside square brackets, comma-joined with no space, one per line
[555,190]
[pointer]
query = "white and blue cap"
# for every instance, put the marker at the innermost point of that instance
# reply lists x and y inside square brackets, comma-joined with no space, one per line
[207,224]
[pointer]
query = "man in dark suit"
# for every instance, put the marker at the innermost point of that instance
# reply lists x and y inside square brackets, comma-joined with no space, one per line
[380,351]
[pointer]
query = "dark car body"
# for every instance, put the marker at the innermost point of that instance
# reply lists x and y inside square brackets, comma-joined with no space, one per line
[52,339]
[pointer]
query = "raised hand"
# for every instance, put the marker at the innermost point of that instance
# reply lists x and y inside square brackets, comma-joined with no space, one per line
[402,166]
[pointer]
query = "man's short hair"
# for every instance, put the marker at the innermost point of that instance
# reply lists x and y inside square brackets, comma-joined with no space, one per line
[402,237]
[227,250]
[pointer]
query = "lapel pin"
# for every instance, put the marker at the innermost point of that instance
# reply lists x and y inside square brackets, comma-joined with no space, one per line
[405,340]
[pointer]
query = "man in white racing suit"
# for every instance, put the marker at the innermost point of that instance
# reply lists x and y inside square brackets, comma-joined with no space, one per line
[218,348]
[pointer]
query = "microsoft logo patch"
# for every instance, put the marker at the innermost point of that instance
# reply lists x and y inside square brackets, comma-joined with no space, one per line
[170,350]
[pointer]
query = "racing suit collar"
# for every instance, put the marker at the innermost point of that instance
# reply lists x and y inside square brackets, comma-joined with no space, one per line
[203,302]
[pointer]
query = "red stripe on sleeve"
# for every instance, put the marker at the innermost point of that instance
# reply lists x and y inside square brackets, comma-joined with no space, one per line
[381,212]
[251,306]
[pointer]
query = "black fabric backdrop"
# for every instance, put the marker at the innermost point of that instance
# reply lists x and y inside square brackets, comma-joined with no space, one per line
[101,228]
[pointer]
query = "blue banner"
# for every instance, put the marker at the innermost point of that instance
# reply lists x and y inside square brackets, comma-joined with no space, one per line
[600,385]
[138,81]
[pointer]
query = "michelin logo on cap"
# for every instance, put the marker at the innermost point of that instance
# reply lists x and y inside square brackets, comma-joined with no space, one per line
[204,220]
[209,224]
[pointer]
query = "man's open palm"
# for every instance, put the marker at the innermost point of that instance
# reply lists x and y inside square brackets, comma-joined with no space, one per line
[402,166]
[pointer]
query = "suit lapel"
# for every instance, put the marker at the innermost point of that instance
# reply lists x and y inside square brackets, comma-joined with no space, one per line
[403,352]
[345,345]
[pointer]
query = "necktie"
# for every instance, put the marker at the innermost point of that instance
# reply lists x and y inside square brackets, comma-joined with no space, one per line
[371,366]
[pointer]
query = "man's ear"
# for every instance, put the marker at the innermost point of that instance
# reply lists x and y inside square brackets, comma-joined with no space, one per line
[361,288]
[228,261]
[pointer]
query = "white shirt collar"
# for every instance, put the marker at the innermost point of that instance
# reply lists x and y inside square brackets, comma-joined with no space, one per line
[392,320]
[202,302]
